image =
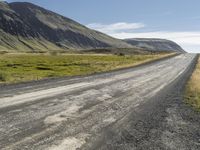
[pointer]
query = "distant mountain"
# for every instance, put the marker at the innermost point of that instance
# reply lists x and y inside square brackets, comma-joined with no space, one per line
[155,44]
[27,27]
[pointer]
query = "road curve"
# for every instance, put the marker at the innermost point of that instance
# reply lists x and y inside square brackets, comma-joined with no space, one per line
[74,113]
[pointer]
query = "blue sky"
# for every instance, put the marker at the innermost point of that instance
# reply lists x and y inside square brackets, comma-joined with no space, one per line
[177,20]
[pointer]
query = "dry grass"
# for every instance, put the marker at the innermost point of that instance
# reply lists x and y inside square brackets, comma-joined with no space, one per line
[192,93]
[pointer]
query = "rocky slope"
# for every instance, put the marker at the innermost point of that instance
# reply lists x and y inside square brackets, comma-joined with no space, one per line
[25,26]
[155,44]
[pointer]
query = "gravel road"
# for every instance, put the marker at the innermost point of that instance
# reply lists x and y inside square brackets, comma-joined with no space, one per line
[135,108]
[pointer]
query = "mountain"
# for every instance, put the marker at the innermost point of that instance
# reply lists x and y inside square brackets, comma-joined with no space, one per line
[28,27]
[155,44]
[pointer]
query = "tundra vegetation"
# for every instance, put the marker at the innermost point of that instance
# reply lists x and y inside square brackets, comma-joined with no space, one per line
[27,67]
[192,94]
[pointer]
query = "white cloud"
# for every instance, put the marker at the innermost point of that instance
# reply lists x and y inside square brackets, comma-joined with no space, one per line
[186,37]
[115,27]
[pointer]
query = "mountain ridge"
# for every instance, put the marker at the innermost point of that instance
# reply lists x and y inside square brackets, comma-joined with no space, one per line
[30,28]
[155,44]
[26,24]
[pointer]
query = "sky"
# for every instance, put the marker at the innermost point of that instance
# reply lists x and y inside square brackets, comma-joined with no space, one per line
[177,20]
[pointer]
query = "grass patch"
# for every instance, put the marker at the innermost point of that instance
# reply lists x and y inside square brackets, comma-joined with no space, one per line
[192,94]
[3,77]
[25,67]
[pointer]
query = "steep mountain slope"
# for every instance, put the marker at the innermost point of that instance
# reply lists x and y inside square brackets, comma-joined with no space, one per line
[27,27]
[155,44]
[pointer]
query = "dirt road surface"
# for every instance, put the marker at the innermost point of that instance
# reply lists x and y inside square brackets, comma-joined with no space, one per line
[135,108]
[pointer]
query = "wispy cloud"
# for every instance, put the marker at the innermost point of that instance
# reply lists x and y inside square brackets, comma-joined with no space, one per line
[115,27]
[186,37]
